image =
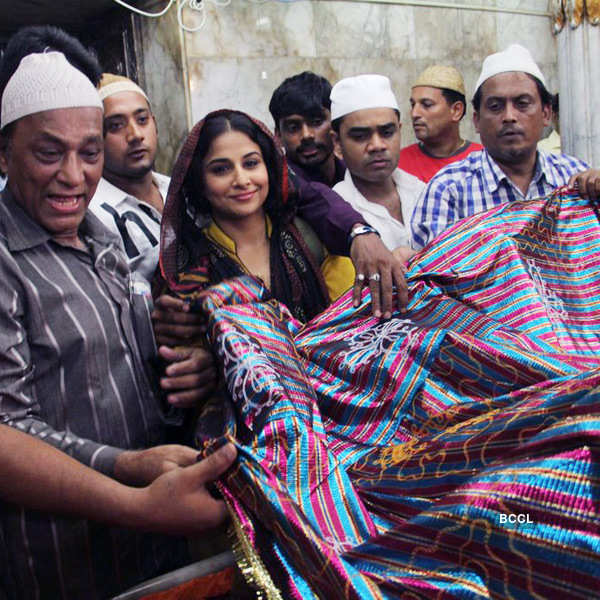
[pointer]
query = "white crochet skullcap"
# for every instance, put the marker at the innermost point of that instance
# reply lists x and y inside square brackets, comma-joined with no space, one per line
[363,91]
[514,58]
[46,81]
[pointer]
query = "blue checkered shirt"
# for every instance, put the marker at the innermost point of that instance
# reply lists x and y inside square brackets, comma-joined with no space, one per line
[477,183]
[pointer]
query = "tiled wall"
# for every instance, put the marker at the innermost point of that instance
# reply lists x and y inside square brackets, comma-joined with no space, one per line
[245,49]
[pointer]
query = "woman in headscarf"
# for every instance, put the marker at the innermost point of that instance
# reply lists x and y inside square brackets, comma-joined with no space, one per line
[230,211]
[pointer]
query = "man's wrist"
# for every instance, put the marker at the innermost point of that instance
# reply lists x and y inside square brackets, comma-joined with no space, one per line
[360,229]
[135,508]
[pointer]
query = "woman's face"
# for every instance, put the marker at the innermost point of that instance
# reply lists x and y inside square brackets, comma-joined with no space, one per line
[236,181]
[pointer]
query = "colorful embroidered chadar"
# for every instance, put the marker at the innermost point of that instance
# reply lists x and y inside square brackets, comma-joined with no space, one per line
[450,452]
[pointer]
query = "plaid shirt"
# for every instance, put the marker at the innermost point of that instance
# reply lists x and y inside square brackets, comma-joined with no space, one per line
[476,184]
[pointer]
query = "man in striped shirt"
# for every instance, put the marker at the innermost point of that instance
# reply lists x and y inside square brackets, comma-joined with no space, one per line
[75,343]
[511,108]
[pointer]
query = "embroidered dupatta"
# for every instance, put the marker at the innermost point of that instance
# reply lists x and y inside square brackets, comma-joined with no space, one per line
[451,452]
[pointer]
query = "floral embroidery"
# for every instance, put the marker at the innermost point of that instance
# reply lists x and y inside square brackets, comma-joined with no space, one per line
[376,341]
[554,305]
[248,373]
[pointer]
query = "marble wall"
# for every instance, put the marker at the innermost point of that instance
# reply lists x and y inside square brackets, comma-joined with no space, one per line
[163,67]
[245,49]
[579,120]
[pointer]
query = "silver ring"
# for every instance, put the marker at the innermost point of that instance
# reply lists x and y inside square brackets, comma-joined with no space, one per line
[375,277]
[360,277]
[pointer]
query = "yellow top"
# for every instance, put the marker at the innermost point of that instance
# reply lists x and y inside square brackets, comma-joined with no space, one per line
[338,271]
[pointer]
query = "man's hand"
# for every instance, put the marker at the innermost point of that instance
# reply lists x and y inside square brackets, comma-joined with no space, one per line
[376,266]
[178,503]
[142,467]
[174,324]
[190,377]
[587,182]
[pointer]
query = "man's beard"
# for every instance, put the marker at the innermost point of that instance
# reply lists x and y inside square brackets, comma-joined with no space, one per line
[512,156]
[133,173]
[140,172]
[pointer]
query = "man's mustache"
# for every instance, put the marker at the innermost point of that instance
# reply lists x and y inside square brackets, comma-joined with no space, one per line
[311,146]
[509,129]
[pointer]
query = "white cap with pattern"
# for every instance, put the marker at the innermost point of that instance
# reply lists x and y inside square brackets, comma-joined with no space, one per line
[514,58]
[46,81]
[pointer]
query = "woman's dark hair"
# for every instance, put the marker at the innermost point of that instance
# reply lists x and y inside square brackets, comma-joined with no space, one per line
[221,123]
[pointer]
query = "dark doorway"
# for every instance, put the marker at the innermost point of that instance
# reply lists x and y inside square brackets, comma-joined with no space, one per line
[103,25]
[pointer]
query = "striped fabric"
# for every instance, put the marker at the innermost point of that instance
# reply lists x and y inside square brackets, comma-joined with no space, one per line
[451,452]
[476,184]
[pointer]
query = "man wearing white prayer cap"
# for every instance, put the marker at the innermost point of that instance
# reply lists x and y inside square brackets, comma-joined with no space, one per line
[76,338]
[511,108]
[300,108]
[365,119]
[46,97]
[130,196]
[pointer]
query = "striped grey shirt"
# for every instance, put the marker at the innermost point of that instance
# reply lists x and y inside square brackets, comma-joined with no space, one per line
[75,338]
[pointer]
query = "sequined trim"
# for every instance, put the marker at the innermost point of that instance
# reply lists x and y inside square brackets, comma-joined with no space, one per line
[250,563]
